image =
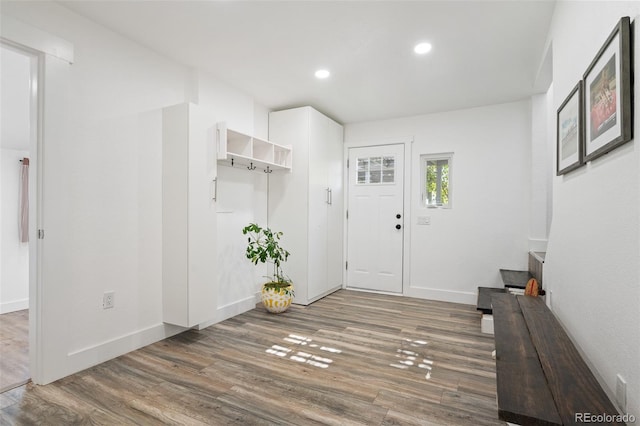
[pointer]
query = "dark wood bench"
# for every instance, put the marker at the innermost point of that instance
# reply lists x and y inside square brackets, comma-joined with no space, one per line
[541,377]
[484,298]
[516,279]
[512,279]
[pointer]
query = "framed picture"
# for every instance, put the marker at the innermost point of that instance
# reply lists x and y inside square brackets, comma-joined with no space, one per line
[570,131]
[607,94]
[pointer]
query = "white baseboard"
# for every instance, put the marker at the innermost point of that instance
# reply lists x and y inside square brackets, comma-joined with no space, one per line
[467,298]
[232,309]
[325,294]
[96,354]
[93,355]
[15,305]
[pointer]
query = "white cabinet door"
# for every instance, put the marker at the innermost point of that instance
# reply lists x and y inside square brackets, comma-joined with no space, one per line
[335,210]
[318,203]
[188,216]
[202,217]
[288,192]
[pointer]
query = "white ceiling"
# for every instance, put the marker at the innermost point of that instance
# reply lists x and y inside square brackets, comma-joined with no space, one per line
[484,52]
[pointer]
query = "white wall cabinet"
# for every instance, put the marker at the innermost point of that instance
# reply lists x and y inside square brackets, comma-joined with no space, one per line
[237,149]
[307,204]
[189,256]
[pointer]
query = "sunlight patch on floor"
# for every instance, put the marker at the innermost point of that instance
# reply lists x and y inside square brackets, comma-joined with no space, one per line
[303,356]
[407,357]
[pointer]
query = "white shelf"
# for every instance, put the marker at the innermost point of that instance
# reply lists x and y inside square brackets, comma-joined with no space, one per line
[237,149]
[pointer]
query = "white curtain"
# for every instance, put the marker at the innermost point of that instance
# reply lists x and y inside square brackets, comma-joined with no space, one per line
[24,201]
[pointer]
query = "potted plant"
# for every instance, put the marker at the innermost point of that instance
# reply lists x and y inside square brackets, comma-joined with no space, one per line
[264,246]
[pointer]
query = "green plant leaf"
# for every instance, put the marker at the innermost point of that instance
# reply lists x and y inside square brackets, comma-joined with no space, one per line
[263,246]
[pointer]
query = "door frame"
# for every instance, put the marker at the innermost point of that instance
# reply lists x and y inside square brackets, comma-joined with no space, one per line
[37,68]
[406,204]
[42,47]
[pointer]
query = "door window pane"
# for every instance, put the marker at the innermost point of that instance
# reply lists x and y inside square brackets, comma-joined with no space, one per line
[363,167]
[388,169]
[376,170]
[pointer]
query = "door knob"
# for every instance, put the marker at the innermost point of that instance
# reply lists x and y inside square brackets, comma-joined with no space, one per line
[398,216]
[398,226]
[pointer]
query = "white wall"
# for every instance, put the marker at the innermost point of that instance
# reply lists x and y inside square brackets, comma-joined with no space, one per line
[15,107]
[102,196]
[242,197]
[540,172]
[14,255]
[593,257]
[488,226]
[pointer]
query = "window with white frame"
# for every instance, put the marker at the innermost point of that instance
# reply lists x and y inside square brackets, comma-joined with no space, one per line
[436,172]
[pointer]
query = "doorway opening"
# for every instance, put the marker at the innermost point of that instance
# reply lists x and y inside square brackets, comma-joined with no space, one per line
[18,146]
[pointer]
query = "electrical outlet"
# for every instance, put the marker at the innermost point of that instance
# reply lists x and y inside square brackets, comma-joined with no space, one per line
[108,300]
[621,393]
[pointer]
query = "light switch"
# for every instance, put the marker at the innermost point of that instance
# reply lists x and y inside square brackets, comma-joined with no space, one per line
[424,220]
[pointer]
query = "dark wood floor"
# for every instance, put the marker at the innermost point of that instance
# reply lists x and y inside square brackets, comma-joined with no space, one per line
[350,358]
[14,349]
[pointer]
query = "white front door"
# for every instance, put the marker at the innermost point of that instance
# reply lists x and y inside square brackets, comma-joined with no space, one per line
[376,218]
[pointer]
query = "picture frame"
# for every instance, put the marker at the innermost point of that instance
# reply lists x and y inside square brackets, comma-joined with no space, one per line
[608,95]
[570,131]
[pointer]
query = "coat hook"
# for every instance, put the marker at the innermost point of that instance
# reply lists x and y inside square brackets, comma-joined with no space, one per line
[268,170]
[251,167]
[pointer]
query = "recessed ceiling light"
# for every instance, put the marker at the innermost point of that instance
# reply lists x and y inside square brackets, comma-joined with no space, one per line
[322,74]
[422,48]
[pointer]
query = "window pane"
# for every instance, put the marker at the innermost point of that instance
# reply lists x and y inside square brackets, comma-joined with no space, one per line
[437,181]
[363,170]
[388,172]
[388,163]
